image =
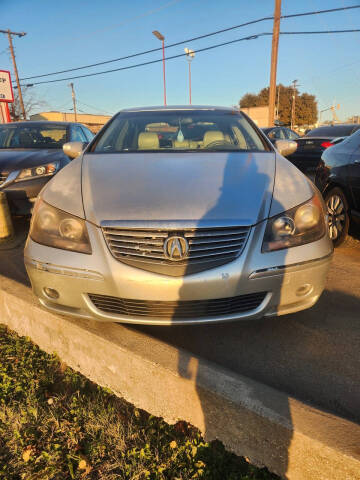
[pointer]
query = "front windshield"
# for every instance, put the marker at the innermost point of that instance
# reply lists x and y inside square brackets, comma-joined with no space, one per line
[32,136]
[179,131]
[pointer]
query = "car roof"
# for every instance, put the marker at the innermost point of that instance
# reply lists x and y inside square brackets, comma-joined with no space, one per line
[178,107]
[41,122]
[339,125]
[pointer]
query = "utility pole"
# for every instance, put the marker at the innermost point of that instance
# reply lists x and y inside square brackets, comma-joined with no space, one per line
[9,33]
[71,85]
[293,104]
[274,58]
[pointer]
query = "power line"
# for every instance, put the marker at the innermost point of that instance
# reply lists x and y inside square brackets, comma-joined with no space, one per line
[104,112]
[315,32]
[148,51]
[217,32]
[250,37]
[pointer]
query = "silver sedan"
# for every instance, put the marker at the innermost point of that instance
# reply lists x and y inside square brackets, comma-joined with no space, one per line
[178,215]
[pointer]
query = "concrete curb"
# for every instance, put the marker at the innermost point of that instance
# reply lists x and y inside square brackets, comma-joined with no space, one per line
[292,439]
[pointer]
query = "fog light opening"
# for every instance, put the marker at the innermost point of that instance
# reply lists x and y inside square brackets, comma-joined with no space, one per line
[51,293]
[304,290]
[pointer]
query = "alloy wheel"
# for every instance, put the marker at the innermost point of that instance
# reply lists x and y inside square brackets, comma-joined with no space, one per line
[336,215]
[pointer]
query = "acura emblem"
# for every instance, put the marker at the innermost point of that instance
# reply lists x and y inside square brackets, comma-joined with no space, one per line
[176,248]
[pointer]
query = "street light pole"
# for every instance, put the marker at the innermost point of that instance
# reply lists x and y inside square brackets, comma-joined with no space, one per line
[190,54]
[162,39]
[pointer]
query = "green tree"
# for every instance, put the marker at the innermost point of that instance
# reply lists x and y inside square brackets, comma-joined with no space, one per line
[305,104]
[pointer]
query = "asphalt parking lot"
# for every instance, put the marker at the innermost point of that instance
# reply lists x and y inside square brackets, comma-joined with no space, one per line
[312,355]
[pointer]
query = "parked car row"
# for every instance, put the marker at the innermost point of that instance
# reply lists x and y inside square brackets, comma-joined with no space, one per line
[177,215]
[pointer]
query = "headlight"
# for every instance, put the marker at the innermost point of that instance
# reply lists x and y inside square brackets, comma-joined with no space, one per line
[40,171]
[302,224]
[58,229]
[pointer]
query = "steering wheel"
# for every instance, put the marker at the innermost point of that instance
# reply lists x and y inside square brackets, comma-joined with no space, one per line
[218,143]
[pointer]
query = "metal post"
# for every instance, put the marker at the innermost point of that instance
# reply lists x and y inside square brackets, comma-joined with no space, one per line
[6,225]
[274,58]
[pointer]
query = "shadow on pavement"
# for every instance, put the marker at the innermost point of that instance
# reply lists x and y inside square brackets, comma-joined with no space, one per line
[12,253]
[312,355]
[235,168]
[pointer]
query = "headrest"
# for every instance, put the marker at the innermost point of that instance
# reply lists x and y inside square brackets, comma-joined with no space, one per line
[213,136]
[148,141]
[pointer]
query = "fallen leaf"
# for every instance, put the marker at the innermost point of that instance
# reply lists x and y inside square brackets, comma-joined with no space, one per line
[62,367]
[27,454]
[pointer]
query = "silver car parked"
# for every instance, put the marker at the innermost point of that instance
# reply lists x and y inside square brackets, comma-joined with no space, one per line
[178,215]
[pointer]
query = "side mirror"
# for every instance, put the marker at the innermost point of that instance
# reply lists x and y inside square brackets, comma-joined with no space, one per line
[74,149]
[285,147]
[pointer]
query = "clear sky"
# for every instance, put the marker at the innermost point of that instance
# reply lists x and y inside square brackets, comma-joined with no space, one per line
[70,33]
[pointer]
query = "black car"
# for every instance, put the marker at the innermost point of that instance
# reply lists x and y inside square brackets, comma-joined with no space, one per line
[279,133]
[338,178]
[30,154]
[310,147]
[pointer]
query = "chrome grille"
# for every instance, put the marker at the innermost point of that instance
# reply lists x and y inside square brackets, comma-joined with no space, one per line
[208,247]
[178,309]
[3,177]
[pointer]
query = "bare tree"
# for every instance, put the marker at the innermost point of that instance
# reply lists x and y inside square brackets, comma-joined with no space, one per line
[31,103]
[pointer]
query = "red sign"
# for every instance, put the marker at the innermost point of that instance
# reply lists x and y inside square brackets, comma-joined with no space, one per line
[6,91]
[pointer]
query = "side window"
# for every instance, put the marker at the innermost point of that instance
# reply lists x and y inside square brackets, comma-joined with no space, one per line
[276,134]
[77,134]
[272,135]
[88,134]
[291,135]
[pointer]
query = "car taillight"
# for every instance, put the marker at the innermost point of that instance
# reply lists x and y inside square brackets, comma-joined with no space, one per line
[327,144]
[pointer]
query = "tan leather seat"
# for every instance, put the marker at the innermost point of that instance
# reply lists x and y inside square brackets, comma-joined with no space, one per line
[213,136]
[183,144]
[148,141]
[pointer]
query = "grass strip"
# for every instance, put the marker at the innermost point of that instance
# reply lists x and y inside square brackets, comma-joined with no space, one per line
[55,424]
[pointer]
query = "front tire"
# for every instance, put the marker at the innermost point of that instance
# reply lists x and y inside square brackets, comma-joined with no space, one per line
[338,213]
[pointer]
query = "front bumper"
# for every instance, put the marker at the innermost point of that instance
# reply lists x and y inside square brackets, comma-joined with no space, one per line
[292,279]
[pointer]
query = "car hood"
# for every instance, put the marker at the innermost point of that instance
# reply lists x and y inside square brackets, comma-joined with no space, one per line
[16,159]
[213,188]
